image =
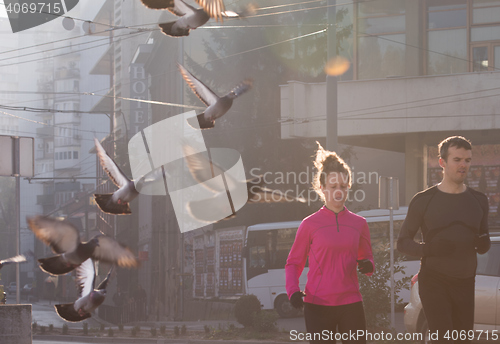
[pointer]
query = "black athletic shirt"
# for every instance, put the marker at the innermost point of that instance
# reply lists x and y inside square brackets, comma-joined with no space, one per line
[459,218]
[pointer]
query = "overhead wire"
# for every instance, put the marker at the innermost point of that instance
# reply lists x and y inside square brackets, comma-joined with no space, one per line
[51,125]
[130,35]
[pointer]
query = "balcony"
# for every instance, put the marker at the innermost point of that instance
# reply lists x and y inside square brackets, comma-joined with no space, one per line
[45,132]
[45,87]
[45,200]
[64,73]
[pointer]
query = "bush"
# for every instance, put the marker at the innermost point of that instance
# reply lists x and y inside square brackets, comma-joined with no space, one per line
[153,331]
[163,329]
[42,329]
[34,326]
[110,332]
[85,329]
[177,331]
[265,321]
[134,331]
[102,327]
[376,289]
[245,308]
[183,330]
[65,329]
[120,327]
[51,327]
[207,329]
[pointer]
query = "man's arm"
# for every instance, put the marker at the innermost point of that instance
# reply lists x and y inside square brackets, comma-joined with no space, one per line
[410,227]
[483,242]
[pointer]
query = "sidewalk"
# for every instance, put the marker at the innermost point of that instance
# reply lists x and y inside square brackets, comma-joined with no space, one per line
[45,309]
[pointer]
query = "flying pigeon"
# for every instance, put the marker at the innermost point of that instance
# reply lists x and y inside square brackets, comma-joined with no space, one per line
[64,240]
[203,171]
[118,202]
[216,106]
[89,298]
[17,259]
[213,8]
[192,18]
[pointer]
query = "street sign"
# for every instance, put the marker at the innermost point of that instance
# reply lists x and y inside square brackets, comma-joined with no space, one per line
[26,156]
[388,193]
[388,198]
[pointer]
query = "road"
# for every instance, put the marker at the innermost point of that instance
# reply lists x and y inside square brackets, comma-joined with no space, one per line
[43,313]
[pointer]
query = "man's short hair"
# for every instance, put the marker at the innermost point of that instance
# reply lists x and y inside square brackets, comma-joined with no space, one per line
[453,141]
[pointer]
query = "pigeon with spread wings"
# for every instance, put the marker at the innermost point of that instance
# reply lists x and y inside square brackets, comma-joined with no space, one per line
[216,106]
[118,202]
[89,298]
[14,260]
[203,171]
[191,18]
[64,240]
[213,8]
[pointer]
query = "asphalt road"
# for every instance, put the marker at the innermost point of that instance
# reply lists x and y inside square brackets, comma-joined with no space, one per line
[44,314]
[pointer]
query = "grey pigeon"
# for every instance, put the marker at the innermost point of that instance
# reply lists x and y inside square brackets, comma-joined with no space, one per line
[203,171]
[192,18]
[89,298]
[216,106]
[17,259]
[118,202]
[213,8]
[64,240]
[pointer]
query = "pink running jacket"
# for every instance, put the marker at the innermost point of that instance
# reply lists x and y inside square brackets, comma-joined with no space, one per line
[332,242]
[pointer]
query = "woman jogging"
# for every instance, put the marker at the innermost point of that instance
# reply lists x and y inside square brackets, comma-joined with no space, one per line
[336,241]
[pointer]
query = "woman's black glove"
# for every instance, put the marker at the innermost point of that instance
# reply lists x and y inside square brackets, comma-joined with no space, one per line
[365,266]
[296,299]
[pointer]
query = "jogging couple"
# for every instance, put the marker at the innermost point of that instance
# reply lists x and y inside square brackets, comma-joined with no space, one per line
[452,218]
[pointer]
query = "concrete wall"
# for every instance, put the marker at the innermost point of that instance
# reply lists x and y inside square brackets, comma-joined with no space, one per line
[394,106]
[15,324]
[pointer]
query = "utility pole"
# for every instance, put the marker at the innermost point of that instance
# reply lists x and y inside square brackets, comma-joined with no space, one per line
[17,175]
[331,80]
[16,160]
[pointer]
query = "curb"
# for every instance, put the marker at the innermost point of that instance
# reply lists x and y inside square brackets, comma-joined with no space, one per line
[124,340]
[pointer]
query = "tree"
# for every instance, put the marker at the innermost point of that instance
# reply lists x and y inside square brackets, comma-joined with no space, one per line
[376,288]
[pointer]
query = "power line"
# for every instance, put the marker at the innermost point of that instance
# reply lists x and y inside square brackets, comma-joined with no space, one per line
[33,109]
[53,125]
[131,35]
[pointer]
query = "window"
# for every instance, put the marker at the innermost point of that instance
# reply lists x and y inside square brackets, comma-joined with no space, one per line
[381,39]
[75,155]
[485,56]
[446,36]
[485,11]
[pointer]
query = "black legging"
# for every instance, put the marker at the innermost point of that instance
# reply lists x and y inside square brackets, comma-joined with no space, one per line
[448,305]
[322,322]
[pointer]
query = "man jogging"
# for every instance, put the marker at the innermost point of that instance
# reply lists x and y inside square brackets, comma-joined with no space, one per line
[453,219]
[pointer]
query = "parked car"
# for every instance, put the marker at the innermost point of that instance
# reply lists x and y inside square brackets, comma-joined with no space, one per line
[12,288]
[487,299]
[27,289]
